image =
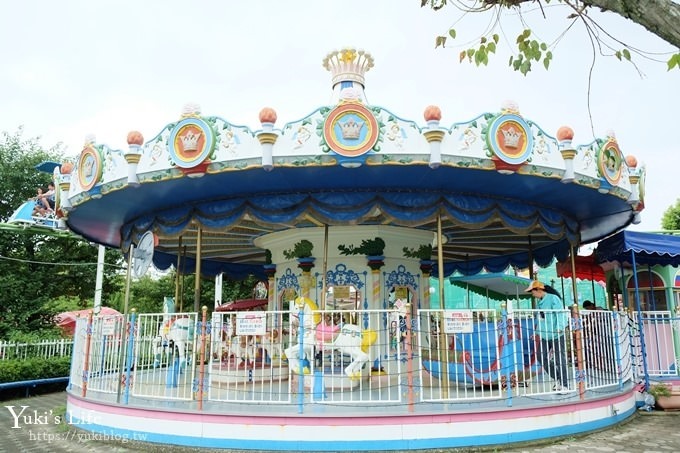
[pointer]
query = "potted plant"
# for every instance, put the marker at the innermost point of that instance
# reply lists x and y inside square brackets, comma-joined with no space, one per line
[369,247]
[664,396]
[302,251]
[269,267]
[373,249]
[423,253]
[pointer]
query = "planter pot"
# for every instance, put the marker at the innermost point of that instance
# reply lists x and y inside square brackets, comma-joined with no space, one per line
[669,403]
[306,264]
[375,262]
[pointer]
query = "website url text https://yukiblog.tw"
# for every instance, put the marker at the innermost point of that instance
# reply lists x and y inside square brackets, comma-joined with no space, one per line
[83,437]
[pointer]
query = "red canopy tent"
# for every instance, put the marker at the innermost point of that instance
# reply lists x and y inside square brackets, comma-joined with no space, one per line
[586,269]
[67,320]
[243,304]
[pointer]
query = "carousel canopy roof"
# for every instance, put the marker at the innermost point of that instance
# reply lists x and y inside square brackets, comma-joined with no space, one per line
[506,192]
[649,248]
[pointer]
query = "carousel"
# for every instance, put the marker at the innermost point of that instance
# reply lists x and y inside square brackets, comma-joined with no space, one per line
[346,214]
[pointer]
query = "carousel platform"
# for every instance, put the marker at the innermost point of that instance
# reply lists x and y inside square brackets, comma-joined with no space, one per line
[306,422]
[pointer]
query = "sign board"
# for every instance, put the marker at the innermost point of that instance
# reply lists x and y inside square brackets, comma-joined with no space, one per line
[401,292]
[108,325]
[341,292]
[458,321]
[250,323]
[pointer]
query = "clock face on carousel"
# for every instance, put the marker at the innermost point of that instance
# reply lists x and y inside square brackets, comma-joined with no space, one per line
[143,254]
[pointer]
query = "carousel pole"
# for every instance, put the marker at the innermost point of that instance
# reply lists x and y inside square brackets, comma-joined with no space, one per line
[128,277]
[531,270]
[197,285]
[578,328]
[574,289]
[324,268]
[440,272]
[126,330]
[177,273]
[592,284]
[218,289]
[99,279]
[181,283]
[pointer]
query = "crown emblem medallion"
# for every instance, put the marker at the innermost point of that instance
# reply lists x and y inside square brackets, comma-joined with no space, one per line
[350,129]
[509,138]
[191,142]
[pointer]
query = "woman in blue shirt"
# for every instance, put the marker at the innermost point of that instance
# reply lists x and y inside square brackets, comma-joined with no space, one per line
[551,324]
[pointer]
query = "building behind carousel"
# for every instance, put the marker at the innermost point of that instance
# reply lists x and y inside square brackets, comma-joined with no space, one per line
[346,214]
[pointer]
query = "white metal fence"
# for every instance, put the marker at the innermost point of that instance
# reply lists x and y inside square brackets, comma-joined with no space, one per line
[43,349]
[659,332]
[365,357]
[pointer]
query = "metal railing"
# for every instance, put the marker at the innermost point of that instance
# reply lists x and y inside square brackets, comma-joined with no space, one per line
[359,357]
[43,348]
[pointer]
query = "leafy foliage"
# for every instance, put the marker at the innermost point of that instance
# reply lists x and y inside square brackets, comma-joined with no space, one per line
[531,50]
[34,368]
[424,252]
[368,247]
[302,249]
[674,62]
[42,276]
[659,390]
[39,274]
[671,217]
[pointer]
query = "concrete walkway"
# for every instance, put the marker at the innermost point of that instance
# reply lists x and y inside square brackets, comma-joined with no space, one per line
[41,428]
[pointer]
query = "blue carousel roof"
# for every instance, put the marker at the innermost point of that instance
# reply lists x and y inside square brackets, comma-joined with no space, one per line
[507,193]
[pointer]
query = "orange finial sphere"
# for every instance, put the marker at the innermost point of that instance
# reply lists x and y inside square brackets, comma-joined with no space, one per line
[631,161]
[565,133]
[267,115]
[66,168]
[432,113]
[135,138]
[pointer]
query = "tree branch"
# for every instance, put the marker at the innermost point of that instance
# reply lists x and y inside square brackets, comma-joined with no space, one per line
[660,17]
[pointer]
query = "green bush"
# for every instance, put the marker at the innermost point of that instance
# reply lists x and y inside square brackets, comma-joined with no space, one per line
[34,368]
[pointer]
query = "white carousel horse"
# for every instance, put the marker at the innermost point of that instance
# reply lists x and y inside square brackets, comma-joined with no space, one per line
[241,347]
[177,332]
[397,320]
[271,343]
[350,339]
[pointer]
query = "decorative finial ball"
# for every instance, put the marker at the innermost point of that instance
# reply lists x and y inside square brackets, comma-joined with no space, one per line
[610,133]
[631,161]
[510,106]
[135,138]
[565,133]
[267,115]
[66,168]
[432,113]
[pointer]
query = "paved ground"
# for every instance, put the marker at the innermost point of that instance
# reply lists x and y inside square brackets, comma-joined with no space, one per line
[41,429]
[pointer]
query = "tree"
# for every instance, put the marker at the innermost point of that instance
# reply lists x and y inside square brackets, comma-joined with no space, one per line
[671,217]
[40,275]
[147,294]
[659,17]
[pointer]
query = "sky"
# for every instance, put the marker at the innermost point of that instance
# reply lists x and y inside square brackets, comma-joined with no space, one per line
[76,68]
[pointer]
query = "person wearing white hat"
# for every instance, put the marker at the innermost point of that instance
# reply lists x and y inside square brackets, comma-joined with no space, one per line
[550,328]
